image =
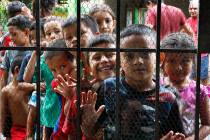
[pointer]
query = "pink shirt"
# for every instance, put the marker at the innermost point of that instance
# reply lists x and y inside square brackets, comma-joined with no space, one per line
[187,103]
[172,18]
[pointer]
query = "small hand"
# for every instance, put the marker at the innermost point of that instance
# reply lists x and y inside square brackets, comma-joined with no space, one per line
[42,87]
[65,87]
[89,114]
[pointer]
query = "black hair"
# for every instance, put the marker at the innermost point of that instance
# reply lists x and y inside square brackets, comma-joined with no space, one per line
[46,5]
[101,7]
[178,41]
[102,38]
[59,43]
[20,21]
[14,8]
[16,63]
[138,29]
[69,21]
[33,25]
[89,22]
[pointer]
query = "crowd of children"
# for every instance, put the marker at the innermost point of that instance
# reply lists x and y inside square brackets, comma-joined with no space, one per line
[136,112]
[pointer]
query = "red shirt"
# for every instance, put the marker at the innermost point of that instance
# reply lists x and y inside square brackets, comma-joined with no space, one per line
[172,18]
[193,22]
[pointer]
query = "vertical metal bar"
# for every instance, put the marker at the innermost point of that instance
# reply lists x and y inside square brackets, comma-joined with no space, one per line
[157,115]
[78,72]
[117,136]
[38,65]
[197,110]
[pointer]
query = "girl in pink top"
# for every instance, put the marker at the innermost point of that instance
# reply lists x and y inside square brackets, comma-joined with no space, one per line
[177,67]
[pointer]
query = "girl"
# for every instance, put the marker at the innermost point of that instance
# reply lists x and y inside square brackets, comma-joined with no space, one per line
[178,67]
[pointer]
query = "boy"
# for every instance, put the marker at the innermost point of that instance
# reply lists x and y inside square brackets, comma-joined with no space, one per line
[136,96]
[60,63]
[50,107]
[88,28]
[14,99]
[19,33]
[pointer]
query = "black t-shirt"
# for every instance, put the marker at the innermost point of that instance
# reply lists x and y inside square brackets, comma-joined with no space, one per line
[136,112]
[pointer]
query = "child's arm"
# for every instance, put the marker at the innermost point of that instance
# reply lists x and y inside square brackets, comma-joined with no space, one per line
[3,77]
[31,121]
[3,108]
[204,130]
[27,87]
[30,68]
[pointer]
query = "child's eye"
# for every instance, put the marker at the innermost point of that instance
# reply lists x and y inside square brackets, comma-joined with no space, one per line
[63,67]
[57,31]
[129,56]
[144,55]
[97,58]
[48,34]
[109,55]
[107,20]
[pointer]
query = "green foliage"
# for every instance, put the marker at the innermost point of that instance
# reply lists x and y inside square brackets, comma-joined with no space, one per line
[3,14]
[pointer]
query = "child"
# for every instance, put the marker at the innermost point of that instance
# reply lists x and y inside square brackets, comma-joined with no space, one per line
[104,16]
[50,109]
[52,28]
[102,64]
[19,32]
[88,28]
[178,67]
[32,101]
[14,98]
[60,63]
[136,88]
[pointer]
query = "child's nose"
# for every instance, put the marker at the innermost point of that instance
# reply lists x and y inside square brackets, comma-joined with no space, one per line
[138,60]
[104,59]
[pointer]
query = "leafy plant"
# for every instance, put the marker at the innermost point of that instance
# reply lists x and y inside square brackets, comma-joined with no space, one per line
[3,13]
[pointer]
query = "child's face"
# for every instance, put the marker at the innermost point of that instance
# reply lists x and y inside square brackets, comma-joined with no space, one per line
[105,21]
[178,66]
[53,30]
[193,10]
[33,38]
[70,35]
[137,66]
[18,37]
[103,63]
[60,64]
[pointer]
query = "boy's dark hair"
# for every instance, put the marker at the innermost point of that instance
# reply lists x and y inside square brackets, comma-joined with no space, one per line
[16,63]
[20,21]
[46,5]
[101,7]
[86,19]
[59,43]
[33,25]
[138,29]
[178,41]
[102,38]
[14,8]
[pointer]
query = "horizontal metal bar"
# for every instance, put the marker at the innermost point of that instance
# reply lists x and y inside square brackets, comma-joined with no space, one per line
[102,49]
[18,48]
